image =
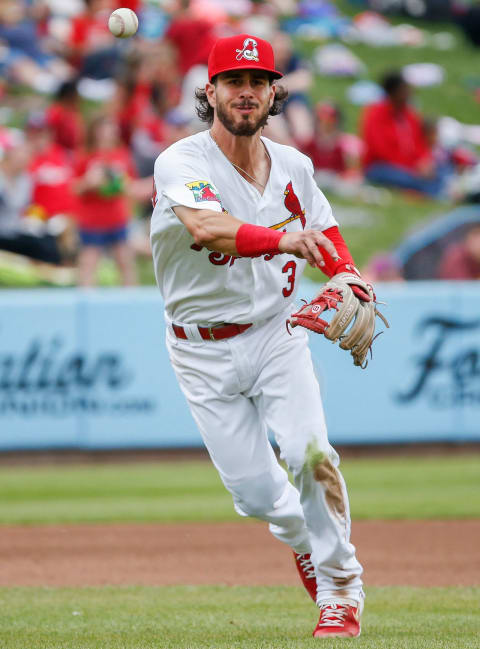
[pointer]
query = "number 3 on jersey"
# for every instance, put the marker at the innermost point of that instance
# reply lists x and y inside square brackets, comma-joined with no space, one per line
[290,268]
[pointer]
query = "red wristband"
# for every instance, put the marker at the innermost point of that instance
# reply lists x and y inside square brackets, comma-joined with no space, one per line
[345,263]
[256,240]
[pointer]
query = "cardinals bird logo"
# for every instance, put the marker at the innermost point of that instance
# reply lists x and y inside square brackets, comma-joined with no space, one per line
[203,191]
[292,204]
[249,50]
[207,194]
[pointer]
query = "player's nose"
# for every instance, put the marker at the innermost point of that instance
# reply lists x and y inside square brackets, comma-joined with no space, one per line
[246,91]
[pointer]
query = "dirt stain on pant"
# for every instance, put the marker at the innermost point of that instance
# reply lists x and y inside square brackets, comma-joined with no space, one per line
[342,582]
[324,472]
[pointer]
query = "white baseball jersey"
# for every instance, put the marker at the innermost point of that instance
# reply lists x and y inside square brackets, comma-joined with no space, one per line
[204,287]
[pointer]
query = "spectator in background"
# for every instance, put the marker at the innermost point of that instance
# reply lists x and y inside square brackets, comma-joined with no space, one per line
[103,173]
[133,89]
[146,78]
[93,50]
[462,260]
[459,160]
[336,157]
[192,37]
[150,136]
[25,59]
[47,242]
[325,147]
[65,118]
[50,170]
[430,132]
[15,182]
[397,153]
[294,125]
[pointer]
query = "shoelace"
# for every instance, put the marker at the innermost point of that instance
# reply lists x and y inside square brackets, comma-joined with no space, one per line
[307,566]
[333,614]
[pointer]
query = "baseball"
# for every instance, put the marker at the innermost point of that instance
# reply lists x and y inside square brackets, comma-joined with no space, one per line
[123,23]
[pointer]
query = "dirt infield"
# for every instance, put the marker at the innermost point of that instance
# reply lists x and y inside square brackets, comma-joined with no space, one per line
[417,553]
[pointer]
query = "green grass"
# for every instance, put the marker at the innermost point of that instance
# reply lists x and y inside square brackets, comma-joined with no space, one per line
[187,617]
[405,487]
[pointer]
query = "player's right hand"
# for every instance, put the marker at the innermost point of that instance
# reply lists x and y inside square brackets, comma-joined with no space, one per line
[305,244]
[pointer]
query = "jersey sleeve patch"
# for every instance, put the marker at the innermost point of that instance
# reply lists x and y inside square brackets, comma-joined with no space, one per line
[203,191]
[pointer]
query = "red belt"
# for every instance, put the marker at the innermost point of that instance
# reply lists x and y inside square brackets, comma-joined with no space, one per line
[213,333]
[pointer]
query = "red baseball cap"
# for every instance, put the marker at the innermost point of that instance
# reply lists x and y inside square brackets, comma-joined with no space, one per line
[241,52]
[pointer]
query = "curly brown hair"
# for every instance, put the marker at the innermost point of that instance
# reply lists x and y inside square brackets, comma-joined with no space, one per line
[205,111]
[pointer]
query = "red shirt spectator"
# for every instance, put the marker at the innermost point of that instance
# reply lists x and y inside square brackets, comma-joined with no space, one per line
[132,109]
[65,118]
[193,38]
[102,178]
[394,135]
[331,158]
[51,174]
[89,31]
[67,126]
[145,81]
[327,148]
[393,132]
[104,208]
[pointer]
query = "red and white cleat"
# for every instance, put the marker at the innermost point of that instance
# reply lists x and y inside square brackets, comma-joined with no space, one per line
[307,574]
[338,619]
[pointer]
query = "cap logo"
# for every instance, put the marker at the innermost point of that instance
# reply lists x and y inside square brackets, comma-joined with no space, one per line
[249,50]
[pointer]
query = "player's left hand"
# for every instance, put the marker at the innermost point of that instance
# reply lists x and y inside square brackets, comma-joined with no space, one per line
[353,324]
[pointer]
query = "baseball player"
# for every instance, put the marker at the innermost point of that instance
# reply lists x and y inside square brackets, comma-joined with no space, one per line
[236,218]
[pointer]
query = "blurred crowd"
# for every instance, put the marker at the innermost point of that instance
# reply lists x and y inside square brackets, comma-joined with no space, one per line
[85,115]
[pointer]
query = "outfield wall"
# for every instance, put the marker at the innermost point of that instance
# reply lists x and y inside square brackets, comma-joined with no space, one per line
[89,369]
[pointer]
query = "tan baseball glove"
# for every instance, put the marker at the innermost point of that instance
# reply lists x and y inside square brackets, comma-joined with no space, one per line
[353,324]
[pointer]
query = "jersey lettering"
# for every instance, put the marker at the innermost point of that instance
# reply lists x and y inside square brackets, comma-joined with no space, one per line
[216,258]
[220,259]
[290,268]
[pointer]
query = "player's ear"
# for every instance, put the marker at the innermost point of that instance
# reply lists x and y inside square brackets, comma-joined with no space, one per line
[211,96]
[273,89]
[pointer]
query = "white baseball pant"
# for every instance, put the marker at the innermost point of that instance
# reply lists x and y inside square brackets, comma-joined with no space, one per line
[264,379]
